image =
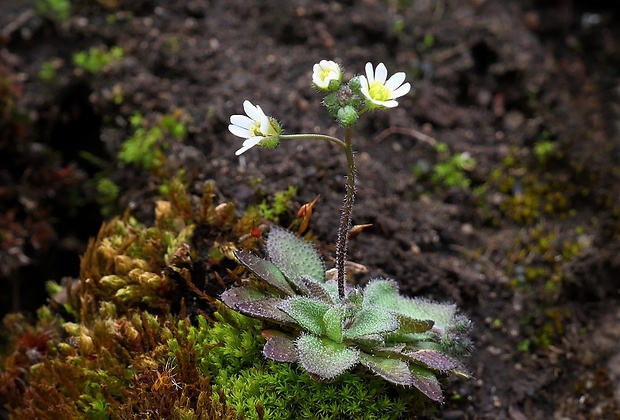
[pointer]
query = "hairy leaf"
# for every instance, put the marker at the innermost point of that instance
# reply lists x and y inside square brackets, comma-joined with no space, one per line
[432,359]
[333,320]
[266,308]
[426,381]
[393,370]
[307,312]
[240,294]
[381,292]
[325,358]
[316,289]
[294,256]
[370,341]
[280,349]
[266,270]
[441,313]
[407,325]
[369,321]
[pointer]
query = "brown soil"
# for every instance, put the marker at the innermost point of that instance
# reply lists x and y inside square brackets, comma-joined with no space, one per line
[491,78]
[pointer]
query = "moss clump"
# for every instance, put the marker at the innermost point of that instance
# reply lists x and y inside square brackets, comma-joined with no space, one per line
[539,261]
[230,351]
[134,337]
[531,184]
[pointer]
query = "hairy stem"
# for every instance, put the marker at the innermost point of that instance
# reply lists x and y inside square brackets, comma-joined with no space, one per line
[347,207]
[345,217]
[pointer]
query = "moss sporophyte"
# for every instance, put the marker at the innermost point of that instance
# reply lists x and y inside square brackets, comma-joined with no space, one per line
[329,326]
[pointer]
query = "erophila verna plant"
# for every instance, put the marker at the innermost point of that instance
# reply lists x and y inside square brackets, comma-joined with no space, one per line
[329,326]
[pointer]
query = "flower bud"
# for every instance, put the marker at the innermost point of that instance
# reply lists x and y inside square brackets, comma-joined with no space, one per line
[331,103]
[355,85]
[347,116]
[327,76]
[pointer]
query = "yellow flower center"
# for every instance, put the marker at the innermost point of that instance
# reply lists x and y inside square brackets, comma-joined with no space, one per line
[255,129]
[325,74]
[379,92]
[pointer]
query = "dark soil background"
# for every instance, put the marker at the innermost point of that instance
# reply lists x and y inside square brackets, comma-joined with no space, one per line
[529,250]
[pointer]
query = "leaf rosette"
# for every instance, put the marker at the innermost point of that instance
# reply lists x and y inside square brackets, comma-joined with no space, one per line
[406,341]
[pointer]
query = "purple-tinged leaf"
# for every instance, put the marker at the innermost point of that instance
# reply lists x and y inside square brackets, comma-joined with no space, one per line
[316,289]
[431,359]
[392,350]
[280,349]
[240,294]
[325,358]
[266,308]
[426,381]
[266,270]
[393,370]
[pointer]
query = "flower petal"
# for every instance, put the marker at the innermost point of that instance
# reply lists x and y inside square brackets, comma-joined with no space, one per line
[401,91]
[254,111]
[239,131]
[370,73]
[381,73]
[395,80]
[389,104]
[248,144]
[242,121]
[364,86]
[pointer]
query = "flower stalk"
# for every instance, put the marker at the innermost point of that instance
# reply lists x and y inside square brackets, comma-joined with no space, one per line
[346,102]
[345,217]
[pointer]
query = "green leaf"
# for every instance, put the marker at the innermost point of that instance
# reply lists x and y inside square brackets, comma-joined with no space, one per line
[280,349]
[325,358]
[294,256]
[407,325]
[393,370]
[426,381]
[441,313]
[370,321]
[266,270]
[381,292]
[307,312]
[333,320]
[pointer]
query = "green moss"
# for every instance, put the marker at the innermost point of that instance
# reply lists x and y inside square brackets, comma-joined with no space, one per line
[125,341]
[539,262]
[450,170]
[230,351]
[278,205]
[97,58]
[531,185]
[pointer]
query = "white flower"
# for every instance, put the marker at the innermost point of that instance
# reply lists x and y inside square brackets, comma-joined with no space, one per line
[254,128]
[326,75]
[380,91]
